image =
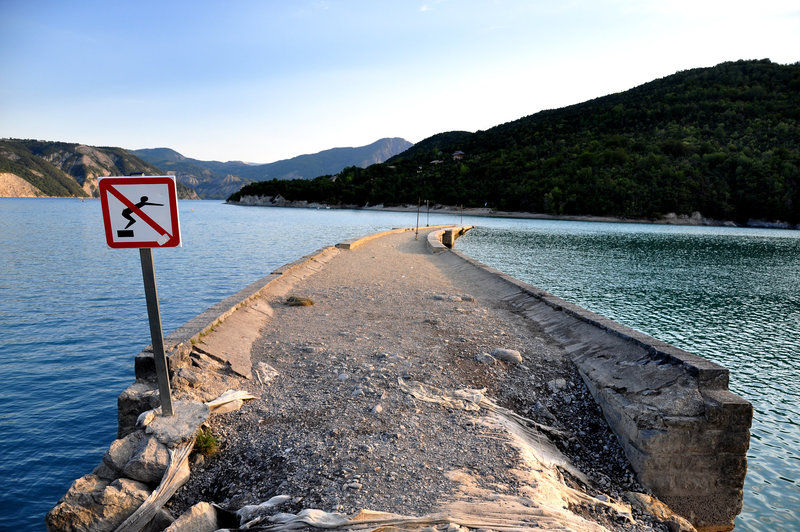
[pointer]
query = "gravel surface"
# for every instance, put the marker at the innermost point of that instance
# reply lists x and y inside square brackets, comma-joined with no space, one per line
[334,429]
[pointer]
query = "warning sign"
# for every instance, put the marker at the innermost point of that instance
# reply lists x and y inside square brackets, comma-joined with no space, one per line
[140,212]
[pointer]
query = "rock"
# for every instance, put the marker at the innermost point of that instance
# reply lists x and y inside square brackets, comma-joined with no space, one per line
[137,398]
[172,430]
[149,462]
[556,385]
[191,378]
[93,504]
[160,521]
[265,373]
[145,418]
[652,506]
[121,451]
[486,358]
[507,355]
[377,409]
[542,411]
[105,472]
[202,517]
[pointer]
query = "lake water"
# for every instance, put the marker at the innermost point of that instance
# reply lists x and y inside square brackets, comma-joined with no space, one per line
[730,295]
[73,316]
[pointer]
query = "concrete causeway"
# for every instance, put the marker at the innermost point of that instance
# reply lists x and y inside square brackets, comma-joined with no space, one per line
[421,388]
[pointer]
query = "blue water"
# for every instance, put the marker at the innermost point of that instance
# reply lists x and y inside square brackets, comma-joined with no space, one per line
[73,316]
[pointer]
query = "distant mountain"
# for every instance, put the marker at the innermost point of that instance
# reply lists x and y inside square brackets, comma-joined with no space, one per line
[723,141]
[45,168]
[214,179]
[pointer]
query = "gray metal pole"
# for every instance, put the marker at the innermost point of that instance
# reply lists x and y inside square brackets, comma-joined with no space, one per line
[156,335]
[419,203]
[428,208]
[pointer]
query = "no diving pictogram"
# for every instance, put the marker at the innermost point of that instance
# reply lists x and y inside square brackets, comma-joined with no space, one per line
[140,212]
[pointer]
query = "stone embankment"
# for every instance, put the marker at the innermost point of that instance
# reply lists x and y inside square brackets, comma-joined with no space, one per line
[418,389]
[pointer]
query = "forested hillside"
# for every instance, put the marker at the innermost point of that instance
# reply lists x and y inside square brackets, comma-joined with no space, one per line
[724,141]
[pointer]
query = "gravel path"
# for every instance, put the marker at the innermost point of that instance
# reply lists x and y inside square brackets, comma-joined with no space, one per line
[338,425]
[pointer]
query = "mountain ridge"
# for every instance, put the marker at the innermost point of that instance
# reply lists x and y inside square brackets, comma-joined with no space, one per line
[64,169]
[216,179]
[33,168]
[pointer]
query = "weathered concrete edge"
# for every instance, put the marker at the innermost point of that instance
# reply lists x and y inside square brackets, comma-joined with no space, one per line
[178,343]
[443,239]
[710,374]
[695,463]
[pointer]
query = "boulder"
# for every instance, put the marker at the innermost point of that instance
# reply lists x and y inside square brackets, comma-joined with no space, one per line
[149,462]
[135,399]
[180,427]
[121,451]
[92,504]
[162,520]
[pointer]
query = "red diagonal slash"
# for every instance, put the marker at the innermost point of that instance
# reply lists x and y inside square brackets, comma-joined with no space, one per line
[129,204]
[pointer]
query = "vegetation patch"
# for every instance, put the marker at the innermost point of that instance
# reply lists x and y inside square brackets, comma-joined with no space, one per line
[206,443]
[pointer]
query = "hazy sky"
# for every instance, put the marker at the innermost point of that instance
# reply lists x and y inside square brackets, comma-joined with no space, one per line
[266,80]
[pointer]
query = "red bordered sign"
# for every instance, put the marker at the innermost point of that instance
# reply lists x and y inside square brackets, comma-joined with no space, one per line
[140,212]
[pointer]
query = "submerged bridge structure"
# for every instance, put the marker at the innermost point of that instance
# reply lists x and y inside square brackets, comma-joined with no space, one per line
[444,367]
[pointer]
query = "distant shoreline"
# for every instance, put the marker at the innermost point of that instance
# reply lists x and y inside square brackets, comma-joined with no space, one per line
[696,219]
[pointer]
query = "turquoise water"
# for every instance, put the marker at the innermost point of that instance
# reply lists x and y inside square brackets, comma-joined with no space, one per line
[730,295]
[73,316]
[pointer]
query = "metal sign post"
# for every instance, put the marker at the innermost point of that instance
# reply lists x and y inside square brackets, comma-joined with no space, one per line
[416,234]
[142,212]
[156,335]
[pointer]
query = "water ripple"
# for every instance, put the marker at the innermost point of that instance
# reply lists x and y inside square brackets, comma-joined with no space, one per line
[730,295]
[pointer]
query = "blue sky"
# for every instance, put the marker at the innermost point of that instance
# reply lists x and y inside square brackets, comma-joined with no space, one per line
[266,80]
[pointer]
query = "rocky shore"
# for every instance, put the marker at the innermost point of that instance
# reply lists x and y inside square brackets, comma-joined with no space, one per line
[695,218]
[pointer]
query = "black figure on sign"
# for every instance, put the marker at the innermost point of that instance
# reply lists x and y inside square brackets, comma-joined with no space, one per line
[127,214]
